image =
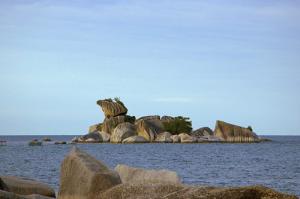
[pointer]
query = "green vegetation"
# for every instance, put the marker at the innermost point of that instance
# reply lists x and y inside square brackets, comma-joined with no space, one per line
[178,125]
[118,100]
[250,128]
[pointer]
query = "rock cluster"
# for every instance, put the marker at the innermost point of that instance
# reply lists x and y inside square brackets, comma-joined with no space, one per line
[118,127]
[84,177]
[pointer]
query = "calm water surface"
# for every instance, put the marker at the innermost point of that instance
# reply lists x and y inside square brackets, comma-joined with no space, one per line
[274,164]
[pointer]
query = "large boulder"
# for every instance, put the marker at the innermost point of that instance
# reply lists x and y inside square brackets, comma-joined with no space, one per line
[186,138]
[134,139]
[134,175]
[123,131]
[84,177]
[179,191]
[24,186]
[149,128]
[112,108]
[233,133]
[164,137]
[109,124]
[204,131]
[105,136]
[149,117]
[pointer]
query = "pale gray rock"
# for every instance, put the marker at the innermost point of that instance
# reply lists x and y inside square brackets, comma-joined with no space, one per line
[123,131]
[134,175]
[84,177]
[175,138]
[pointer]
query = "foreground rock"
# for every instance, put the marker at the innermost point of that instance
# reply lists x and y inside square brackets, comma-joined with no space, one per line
[84,177]
[139,176]
[22,186]
[112,108]
[134,139]
[177,191]
[123,131]
[233,133]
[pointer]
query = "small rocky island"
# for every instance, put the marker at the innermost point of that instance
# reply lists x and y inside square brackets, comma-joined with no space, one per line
[118,127]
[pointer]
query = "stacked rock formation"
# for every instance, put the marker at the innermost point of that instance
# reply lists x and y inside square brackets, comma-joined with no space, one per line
[118,127]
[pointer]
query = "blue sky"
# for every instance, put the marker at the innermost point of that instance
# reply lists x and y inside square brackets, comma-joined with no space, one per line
[235,61]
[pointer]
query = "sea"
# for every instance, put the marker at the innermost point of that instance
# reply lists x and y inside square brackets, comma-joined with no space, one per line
[273,164]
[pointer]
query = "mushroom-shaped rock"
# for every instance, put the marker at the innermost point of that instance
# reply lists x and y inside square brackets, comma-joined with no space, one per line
[123,131]
[134,175]
[234,133]
[175,138]
[112,108]
[105,136]
[164,137]
[149,128]
[24,186]
[109,124]
[84,177]
[186,138]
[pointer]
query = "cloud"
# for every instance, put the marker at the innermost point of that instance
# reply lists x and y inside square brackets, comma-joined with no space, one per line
[174,100]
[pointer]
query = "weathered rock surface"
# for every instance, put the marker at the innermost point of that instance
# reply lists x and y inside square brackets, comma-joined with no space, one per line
[149,117]
[134,175]
[175,138]
[179,191]
[24,186]
[134,139]
[105,136]
[111,108]
[92,137]
[149,128]
[84,177]
[123,131]
[204,131]
[164,137]
[234,133]
[109,124]
[186,138]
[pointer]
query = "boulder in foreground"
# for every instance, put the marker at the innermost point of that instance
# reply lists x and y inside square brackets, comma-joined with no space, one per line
[178,191]
[134,175]
[233,133]
[24,186]
[84,177]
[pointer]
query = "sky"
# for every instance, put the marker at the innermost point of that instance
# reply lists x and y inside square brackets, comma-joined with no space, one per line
[236,61]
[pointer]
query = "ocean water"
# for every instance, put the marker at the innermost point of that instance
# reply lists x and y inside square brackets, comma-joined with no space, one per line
[274,164]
